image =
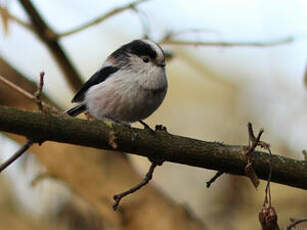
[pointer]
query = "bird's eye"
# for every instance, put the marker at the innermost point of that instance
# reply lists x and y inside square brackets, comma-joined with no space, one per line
[145,59]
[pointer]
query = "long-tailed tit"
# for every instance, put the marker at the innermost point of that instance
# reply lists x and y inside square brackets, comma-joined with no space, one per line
[129,87]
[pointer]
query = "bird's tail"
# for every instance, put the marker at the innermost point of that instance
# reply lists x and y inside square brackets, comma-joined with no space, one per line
[75,111]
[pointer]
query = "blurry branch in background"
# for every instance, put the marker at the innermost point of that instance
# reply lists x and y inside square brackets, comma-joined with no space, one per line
[50,38]
[211,155]
[296,221]
[6,15]
[170,39]
[17,89]
[143,18]
[47,35]
[28,95]
[5,19]
[173,34]
[103,17]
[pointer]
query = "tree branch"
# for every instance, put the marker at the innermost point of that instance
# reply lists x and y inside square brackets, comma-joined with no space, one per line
[48,36]
[102,18]
[177,149]
[170,41]
[4,11]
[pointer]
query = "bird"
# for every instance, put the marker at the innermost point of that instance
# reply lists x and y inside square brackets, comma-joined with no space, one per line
[129,87]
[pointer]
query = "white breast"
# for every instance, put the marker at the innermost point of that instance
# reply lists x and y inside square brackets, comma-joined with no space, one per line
[127,96]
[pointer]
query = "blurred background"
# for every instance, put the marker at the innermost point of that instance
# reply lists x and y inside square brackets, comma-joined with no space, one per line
[213,92]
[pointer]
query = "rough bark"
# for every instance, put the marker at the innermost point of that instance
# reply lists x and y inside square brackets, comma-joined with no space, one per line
[177,149]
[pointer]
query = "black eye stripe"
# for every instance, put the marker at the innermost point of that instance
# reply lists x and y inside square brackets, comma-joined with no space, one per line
[136,47]
[141,48]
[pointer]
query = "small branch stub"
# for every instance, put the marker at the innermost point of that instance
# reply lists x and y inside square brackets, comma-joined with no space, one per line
[249,170]
[214,178]
[39,91]
[16,155]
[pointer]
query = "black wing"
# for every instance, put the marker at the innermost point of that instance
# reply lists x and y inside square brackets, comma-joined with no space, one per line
[97,78]
[75,111]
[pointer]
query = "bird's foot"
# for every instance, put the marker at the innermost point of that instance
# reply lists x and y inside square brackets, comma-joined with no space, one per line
[146,126]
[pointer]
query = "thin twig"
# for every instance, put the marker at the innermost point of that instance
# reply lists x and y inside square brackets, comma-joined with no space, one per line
[17,89]
[37,99]
[253,141]
[18,154]
[267,188]
[295,222]
[101,18]
[227,44]
[39,91]
[213,179]
[117,198]
[268,214]
[171,35]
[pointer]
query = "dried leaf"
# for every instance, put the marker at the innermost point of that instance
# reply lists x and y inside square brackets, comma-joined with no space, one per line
[268,218]
[250,172]
[4,18]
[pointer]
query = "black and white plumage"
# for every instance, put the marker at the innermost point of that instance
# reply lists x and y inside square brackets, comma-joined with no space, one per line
[129,87]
